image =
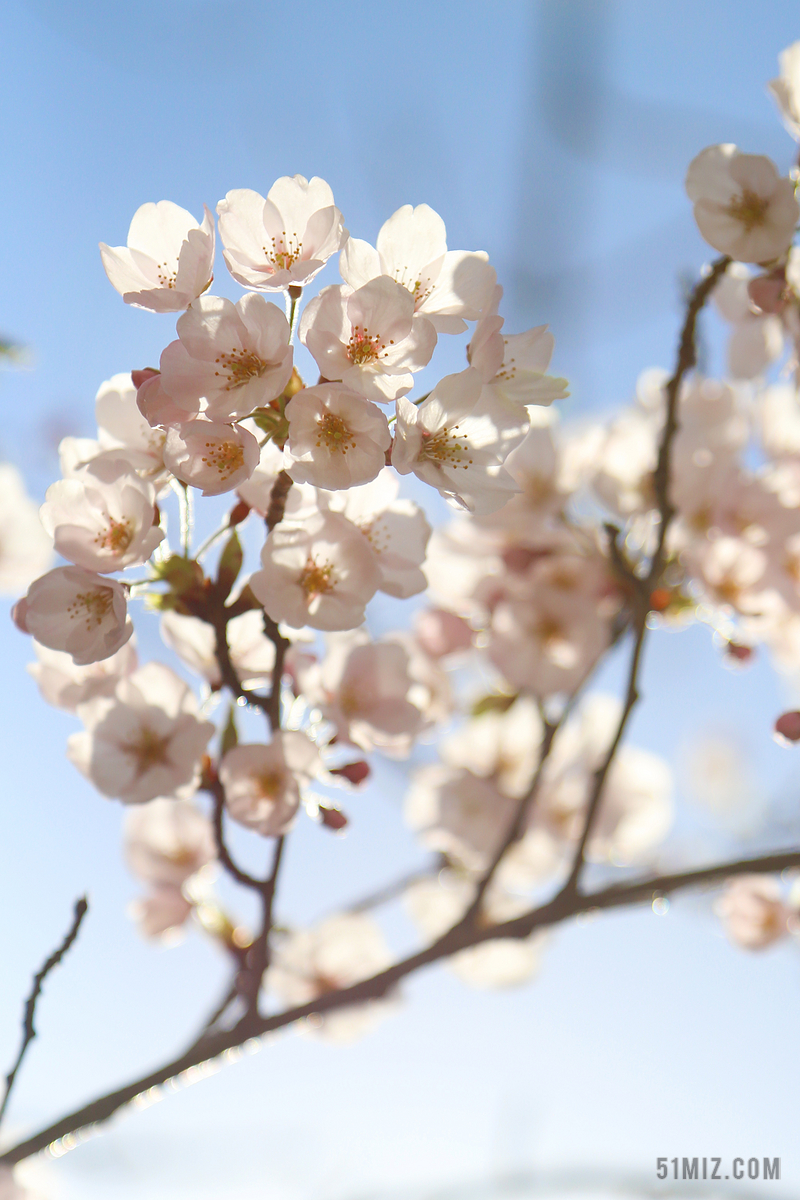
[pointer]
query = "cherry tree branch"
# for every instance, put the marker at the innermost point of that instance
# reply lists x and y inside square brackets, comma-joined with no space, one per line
[564,906]
[28,1028]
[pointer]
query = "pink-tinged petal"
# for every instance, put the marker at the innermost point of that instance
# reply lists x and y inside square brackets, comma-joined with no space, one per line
[358,263]
[410,240]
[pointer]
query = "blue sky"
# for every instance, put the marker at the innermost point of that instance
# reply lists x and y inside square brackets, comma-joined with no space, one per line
[555,135]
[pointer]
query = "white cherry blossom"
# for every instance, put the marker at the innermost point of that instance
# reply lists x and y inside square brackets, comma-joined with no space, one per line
[106,524]
[396,529]
[155,405]
[211,456]
[146,741]
[168,261]
[756,338]
[236,356]
[262,782]
[321,573]
[337,439]
[123,428]
[369,339]
[786,88]
[742,206]
[282,241]
[332,955]
[502,746]
[79,612]
[451,442]
[65,685]
[161,912]
[513,366]
[447,285]
[25,547]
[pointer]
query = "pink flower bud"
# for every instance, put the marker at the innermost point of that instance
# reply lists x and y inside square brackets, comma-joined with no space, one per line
[787,727]
[354,772]
[332,818]
[768,292]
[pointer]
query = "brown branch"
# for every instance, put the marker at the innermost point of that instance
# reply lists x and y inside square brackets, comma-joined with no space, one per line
[213,786]
[259,952]
[562,908]
[28,1028]
[687,357]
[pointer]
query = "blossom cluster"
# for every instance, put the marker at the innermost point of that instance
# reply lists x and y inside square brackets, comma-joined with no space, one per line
[488,691]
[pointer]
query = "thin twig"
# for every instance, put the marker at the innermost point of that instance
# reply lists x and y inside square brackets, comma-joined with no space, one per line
[28,1029]
[562,908]
[213,786]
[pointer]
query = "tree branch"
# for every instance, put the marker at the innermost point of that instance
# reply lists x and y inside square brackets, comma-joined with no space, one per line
[28,1029]
[563,907]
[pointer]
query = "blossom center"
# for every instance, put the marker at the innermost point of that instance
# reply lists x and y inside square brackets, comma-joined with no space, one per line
[116,538]
[335,433]
[149,750]
[363,347]
[92,607]
[240,366]
[225,457]
[749,208]
[316,579]
[167,275]
[444,448]
[284,251]
[270,784]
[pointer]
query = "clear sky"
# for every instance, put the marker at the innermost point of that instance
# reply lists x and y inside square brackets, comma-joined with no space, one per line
[554,134]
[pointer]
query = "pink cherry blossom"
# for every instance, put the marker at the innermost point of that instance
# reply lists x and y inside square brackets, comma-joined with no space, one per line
[77,611]
[161,912]
[282,241]
[167,841]
[447,285]
[337,439]
[169,259]
[123,428]
[207,455]
[236,356]
[513,366]
[320,574]
[462,814]
[104,524]
[369,339]
[262,782]
[144,742]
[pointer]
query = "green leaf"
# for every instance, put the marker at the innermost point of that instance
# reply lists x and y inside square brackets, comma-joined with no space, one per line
[230,564]
[492,703]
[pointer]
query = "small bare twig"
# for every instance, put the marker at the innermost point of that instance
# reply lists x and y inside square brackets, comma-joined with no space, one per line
[28,1028]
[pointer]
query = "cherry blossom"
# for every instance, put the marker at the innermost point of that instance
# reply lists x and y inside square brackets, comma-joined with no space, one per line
[146,741]
[26,549]
[396,529]
[161,912]
[262,783]
[194,641]
[283,241]
[155,405]
[452,443]
[742,206]
[334,954]
[168,261]
[337,439]
[513,366]
[363,687]
[123,428]
[756,338]
[207,455]
[369,339]
[65,685]
[464,815]
[786,88]
[441,633]
[76,611]
[752,911]
[236,356]
[167,841]
[320,574]
[104,524]
[447,285]
[436,905]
